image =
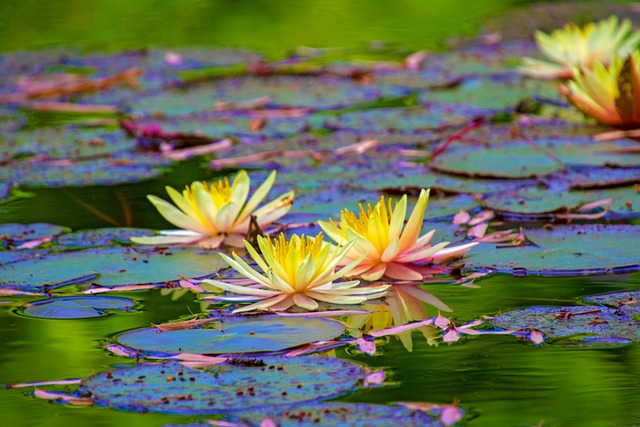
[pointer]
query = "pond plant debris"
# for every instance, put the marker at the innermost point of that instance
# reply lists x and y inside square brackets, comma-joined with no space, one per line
[518,183]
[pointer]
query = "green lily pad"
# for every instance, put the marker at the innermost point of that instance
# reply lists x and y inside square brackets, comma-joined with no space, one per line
[76,307]
[591,323]
[110,267]
[589,178]
[570,250]
[534,200]
[286,91]
[102,237]
[411,181]
[121,169]
[402,120]
[16,234]
[237,384]
[64,143]
[625,302]
[342,414]
[494,92]
[234,335]
[515,160]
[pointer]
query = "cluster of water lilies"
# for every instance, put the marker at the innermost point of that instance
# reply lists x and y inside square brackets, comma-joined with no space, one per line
[601,62]
[303,270]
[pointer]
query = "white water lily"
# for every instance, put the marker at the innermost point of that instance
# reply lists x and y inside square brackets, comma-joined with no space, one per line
[385,247]
[574,47]
[209,214]
[299,272]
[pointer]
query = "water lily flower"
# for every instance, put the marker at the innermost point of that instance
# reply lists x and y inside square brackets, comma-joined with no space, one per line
[212,213]
[580,47]
[388,250]
[611,94]
[300,271]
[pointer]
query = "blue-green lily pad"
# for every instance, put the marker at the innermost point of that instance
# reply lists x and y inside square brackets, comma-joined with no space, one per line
[234,335]
[570,250]
[342,414]
[76,307]
[110,267]
[102,237]
[535,200]
[286,91]
[594,323]
[122,169]
[237,384]
[515,160]
[625,301]
[16,234]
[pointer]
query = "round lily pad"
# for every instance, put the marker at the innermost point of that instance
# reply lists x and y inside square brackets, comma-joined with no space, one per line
[626,302]
[402,120]
[102,237]
[596,323]
[570,250]
[515,160]
[535,200]
[286,91]
[493,92]
[237,384]
[16,234]
[76,307]
[400,182]
[342,414]
[110,267]
[124,168]
[234,335]
[64,143]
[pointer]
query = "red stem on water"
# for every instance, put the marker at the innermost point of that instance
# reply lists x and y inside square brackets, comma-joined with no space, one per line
[477,122]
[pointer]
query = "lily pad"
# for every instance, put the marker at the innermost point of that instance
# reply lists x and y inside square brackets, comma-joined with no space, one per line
[16,234]
[102,237]
[588,178]
[594,323]
[493,92]
[317,92]
[534,200]
[234,335]
[515,160]
[110,267]
[237,384]
[571,250]
[342,414]
[401,120]
[76,307]
[64,143]
[625,302]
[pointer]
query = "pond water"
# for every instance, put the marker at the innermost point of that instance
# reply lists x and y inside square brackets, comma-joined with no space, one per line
[498,380]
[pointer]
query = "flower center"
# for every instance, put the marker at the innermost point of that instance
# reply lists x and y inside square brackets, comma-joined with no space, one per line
[220,192]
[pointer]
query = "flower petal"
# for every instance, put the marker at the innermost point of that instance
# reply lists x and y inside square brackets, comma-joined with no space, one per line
[402,272]
[176,217]
[165,240]
[375,272]
[411,231]
[304,301]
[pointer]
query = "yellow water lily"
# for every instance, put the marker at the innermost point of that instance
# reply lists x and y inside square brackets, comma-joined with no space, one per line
[575,47]
[209,214]
[300,271]
[611,94]
[386,249]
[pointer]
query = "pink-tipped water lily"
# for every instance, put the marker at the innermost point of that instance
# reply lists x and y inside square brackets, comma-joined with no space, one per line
[388,248]
[610,94]
[209,214]
[575,47]
[300,271]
